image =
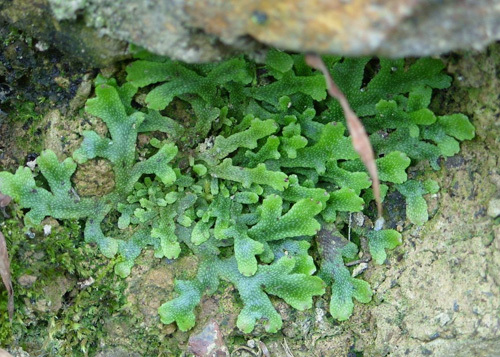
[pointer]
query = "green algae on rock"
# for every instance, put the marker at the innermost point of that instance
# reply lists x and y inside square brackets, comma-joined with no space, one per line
[269,168]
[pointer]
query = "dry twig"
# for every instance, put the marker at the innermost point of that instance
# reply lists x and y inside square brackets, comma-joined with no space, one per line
[4,260]
[5,274]
[359,137]
[287,349]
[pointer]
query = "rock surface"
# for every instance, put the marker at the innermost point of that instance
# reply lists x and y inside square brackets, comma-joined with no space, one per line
[393,28]
[83,43]
[208,30]
[443,297]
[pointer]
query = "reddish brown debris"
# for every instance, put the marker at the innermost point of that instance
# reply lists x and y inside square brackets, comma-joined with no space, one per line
[208,342]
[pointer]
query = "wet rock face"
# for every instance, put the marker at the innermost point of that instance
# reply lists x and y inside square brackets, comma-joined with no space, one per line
[208,30]
[84,44]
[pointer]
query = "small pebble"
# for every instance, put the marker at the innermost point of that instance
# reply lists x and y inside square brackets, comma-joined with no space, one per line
[494,208]
[379,224]
[31,164]
[47,229]
[42,46]
[359,269]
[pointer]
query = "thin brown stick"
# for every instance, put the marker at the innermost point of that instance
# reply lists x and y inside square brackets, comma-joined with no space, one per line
[5,274]
[359,137]
[287,349]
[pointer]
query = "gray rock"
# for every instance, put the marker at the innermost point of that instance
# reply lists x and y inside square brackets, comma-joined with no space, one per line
[194,30]
[200,31]
[494,208]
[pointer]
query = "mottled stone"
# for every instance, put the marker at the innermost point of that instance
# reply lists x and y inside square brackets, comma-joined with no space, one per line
[443,298]
[26,280]
[494,208]
[392,28]
[82,43]
[208,342]
[208,30]
[53,294]
[194,30]
[94,178]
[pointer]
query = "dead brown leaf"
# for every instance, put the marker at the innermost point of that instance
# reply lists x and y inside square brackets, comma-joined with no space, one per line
[4,202]
[4,353]
[4,260]
[5,274]
[360,139]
